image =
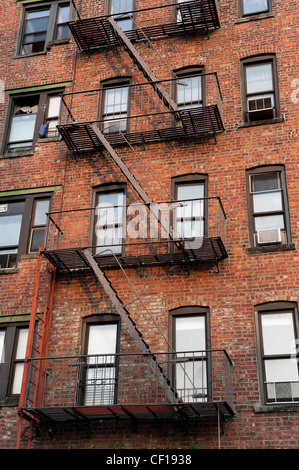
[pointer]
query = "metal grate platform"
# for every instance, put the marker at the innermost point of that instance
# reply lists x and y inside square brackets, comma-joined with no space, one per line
[71,259]
[195,123]
[196,16]
[136,412]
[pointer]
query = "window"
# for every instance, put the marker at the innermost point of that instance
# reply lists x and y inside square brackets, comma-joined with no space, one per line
[123,11]
[253,7]
[27,114]
[268,206]
[189,216]
[13,343]
[44,24]
[22,227]
[110,216]
[277,330]
[189,330]
[260,86]
[99,375]
[115,104]
[189,88]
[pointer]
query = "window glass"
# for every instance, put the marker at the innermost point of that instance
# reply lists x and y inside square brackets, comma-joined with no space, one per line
[190,341]
[190,218]
[101,373]
[259,78]
[23,122]
[190,333]
[2,337]
[38,231]
[255,6]
[278,333]
[35,31]
[189,92]
[115,109]
[62,31]
[109,226]
[125,22]
[19,358]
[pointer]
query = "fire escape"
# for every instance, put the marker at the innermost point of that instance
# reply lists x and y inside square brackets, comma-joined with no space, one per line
[72,251]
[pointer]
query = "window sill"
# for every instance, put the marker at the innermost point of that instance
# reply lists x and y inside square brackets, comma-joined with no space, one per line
[9,270]
[258,16]
[270,248]
[262,122]
[57,42]
[29,256]
[43,140]
[20,153]
[10,402]
[34,54]
[276,408]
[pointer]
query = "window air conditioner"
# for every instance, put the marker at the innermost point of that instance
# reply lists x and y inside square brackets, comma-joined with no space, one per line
[265,237]
[260,108]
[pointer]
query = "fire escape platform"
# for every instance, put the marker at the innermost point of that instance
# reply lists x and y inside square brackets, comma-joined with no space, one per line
[96,32]
[211,252]
[181,411]
[200,122]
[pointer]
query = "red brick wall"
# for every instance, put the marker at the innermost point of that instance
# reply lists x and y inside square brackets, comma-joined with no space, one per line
[243,281]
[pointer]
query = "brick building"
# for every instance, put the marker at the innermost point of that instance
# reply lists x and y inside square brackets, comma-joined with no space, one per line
[148,224]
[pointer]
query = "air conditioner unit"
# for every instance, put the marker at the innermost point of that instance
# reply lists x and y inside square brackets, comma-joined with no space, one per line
[260,108]
[265,237]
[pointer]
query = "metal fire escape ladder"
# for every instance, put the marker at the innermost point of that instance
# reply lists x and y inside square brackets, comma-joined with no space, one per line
[124,314]
[34,374]
[144,68]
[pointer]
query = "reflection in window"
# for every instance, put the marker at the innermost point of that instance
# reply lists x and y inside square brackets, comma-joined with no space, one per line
[254,6]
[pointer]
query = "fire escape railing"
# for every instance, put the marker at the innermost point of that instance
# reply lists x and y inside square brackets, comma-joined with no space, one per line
[164,19]
[145,120]
[105,385]
[136,236]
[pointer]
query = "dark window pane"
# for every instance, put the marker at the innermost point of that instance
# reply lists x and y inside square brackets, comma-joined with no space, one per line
[38,238]
[265,182]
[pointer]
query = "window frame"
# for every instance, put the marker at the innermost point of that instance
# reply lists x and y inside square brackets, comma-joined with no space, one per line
[260,60]
[114,83]
[7,367]
[50,39]
[41,117]
[105,189]
[187,312]
[190,179]
[98,319]
[27,220]
[186,72]
[266,169]
[259,12]
[272,308]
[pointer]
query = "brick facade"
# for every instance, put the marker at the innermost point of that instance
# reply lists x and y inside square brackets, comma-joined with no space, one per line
[244,280]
